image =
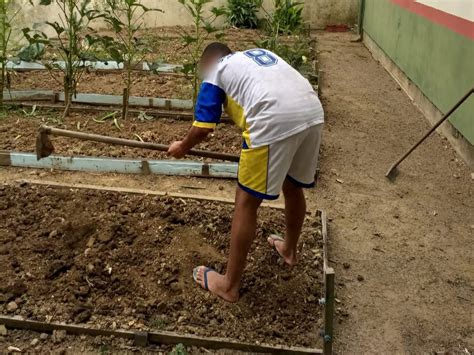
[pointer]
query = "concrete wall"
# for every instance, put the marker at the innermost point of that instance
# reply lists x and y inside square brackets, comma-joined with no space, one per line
[318,13]
[321,13]
[436,56]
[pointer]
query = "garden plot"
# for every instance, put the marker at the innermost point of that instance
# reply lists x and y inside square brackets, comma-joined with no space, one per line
[145,84]
[18,133]
[125,261]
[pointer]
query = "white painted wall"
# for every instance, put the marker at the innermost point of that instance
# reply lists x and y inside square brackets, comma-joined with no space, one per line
[318,13]
[460,8]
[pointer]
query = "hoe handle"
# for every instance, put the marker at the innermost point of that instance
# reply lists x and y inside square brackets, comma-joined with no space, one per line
[132,143]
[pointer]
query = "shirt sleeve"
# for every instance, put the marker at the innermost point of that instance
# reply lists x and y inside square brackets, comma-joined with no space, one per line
[209,103]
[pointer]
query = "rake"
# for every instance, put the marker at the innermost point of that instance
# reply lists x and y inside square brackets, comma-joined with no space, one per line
[392,173]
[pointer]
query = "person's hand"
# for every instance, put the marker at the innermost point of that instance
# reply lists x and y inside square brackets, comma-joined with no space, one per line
[177,150]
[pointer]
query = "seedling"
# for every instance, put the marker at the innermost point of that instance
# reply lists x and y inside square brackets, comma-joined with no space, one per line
[194,40]
[125,18]
[72,43]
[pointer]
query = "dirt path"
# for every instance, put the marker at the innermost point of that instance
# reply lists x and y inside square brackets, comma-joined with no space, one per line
[410,242]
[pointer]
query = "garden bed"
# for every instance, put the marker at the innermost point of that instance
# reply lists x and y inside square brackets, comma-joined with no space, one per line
[144,83]
[114,260]
[18,133]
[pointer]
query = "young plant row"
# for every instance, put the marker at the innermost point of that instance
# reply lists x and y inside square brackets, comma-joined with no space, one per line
[75,40]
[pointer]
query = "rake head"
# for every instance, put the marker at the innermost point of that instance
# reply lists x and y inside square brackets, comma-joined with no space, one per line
[44,146]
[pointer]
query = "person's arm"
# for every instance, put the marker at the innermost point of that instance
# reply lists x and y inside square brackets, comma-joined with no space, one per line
[207,114]
[195,136]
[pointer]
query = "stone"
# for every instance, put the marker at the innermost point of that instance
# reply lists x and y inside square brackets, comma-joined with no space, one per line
[3,330]
[58,336]
[360,278]
[14,349]
[175,287]
[43,336]
[12,307]
[34,342]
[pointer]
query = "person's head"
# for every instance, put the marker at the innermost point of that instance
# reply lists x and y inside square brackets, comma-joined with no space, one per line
[211,55]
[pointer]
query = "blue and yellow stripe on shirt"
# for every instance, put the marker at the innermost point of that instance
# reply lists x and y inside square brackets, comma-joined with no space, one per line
[209,103]
[208,109]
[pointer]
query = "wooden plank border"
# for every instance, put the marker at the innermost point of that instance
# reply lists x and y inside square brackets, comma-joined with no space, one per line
[329,290]
[144,338]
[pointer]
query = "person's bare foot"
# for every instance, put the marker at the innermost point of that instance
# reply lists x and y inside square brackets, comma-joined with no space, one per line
[278,243]
[215,283]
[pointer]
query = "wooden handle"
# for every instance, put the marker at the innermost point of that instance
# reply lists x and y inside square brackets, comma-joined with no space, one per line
[132,143]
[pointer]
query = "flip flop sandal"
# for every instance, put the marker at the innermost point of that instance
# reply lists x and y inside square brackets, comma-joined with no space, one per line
[206,271]
[274,238]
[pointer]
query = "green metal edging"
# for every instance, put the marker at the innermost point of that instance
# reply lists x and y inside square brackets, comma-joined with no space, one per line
[97,99]
[122,166]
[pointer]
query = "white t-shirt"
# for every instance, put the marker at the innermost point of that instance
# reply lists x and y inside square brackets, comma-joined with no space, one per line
[263,95]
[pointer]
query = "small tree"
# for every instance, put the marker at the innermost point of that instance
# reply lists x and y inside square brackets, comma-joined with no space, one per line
[125,18]
[8,12]
[72,42]
[194,40]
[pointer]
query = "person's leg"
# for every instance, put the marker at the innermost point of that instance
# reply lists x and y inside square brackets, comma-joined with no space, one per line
[244,225]
[295,211]
[300,175]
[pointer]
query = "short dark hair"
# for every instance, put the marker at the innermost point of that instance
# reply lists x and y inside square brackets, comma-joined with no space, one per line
[216,49]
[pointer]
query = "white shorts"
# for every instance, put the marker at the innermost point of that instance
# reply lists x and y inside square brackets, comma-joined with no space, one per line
[263,170]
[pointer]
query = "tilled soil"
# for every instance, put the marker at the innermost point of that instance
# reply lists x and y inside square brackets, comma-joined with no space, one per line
[125,261]
[18,133]
[93,82]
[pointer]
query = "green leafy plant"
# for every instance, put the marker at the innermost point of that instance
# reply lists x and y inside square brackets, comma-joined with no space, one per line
[179,349]
[8,12]
[125,18]
[289,15]
[73,41]
[243,13]
[194,40]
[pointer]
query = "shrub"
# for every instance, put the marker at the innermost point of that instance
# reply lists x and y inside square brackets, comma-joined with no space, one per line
[243,13]
[288,14]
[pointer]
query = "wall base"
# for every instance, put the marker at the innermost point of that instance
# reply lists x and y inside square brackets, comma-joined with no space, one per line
[427,108]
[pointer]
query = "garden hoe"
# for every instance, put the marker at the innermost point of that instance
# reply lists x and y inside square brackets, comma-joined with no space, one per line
[393,171]
[44,146]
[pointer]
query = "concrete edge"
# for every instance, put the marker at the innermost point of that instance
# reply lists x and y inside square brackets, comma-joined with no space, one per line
[460,144]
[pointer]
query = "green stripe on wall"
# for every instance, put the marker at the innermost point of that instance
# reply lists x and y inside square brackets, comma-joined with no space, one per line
[439,61]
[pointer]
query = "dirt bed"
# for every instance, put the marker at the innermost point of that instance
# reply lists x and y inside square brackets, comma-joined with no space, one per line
[18,133]
[144,84]
[125,261]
